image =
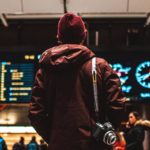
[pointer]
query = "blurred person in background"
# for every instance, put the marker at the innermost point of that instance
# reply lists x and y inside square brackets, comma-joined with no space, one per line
[19,145]
[62,102]
[135,132]
[33,145]
[43,145]
[3,145]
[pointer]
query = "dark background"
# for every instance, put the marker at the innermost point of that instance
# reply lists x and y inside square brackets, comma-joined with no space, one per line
[114,34]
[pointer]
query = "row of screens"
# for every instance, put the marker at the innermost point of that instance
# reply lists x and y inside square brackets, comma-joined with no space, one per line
[17,71]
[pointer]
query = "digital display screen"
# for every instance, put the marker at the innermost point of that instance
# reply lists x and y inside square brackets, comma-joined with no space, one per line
[133,68]
[17,72]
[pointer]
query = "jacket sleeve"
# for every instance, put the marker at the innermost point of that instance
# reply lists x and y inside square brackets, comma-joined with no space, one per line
[113,96]
[38,111]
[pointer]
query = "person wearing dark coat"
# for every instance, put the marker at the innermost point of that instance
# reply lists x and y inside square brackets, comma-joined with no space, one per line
[62,101]
[134,138]
[43,145]
[135,133]
[3,145]
[19,145]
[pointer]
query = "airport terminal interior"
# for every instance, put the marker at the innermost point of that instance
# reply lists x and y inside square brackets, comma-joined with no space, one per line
[118,31]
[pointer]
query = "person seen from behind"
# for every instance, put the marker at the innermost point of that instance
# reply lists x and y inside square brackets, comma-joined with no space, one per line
[19,145]
[33,145]
[3,145]
[43,145]
[62,102]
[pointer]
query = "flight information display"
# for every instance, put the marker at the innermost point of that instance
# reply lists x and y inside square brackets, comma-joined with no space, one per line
[17,71]
[16,77]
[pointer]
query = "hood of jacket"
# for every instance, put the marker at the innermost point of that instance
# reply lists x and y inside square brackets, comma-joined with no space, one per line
[65,56]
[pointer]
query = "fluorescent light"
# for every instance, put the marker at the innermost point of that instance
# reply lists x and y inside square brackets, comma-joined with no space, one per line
[113,15]
[33,15]
[16,129]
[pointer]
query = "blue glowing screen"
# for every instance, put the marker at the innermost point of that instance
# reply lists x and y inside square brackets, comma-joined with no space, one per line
[133,69]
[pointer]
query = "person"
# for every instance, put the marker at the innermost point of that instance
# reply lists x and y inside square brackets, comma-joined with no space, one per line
[19,145]
[134,133]
[62,101]
[3,145]
[33,145]
[43,145]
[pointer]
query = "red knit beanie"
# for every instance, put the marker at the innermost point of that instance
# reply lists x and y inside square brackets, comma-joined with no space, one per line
[71,29]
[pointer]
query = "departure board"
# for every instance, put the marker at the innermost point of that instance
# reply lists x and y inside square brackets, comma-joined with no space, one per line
[16,81]
[16,77]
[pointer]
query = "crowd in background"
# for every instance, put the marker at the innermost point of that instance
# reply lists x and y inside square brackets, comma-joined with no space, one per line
[20,145]
[131,137]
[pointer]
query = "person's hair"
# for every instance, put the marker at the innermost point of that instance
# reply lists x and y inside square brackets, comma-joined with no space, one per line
[33,138]
[136,115]
[42,141]
[21,139]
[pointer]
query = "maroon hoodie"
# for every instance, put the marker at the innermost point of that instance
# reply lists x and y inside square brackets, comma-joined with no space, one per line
[62,103]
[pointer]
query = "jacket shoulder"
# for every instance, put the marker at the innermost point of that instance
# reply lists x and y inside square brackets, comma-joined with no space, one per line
[44,55]
[101,61]
[103,64]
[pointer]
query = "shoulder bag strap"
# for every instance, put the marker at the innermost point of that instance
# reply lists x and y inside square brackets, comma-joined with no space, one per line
[95,92]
